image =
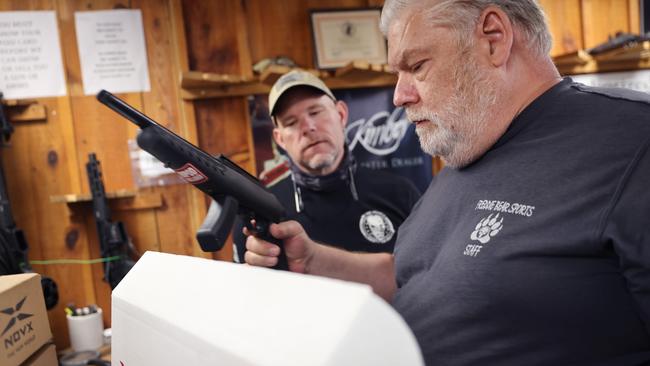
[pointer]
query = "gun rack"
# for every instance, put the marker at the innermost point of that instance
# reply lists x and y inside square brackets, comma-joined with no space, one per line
[121,200]
[633,57]
[357,74]
[24,110]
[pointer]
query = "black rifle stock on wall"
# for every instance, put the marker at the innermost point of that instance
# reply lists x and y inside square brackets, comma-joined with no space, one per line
[234,190]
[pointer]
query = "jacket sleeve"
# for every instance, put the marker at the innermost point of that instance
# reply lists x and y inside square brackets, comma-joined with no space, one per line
[628,230]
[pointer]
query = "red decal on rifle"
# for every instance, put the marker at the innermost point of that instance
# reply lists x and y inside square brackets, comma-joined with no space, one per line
[191,174]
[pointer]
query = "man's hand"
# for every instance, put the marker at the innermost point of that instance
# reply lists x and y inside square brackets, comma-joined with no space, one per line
[306,256]
[298,247]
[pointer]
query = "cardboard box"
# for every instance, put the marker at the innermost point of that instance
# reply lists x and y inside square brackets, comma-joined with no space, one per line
[178,310]
[46,356]
[24,327]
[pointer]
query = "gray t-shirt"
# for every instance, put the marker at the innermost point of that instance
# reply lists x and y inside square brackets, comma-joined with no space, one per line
[539,252]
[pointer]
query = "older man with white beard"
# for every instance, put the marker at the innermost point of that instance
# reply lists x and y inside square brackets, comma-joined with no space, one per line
[531,247]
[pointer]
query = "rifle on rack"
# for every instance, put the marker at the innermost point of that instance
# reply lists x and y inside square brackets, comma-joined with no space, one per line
[234,190]
[13,245]
[114,243]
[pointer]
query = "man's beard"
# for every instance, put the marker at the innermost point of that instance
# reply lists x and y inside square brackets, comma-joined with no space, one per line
[320,162]
[454,131]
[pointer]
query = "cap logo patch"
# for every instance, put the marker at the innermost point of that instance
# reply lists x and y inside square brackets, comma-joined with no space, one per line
[288,78]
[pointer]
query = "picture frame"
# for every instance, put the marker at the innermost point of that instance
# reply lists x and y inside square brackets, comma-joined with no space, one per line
[344,35]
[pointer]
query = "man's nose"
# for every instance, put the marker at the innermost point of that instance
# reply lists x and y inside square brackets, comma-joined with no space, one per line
[308,124]
[405,92]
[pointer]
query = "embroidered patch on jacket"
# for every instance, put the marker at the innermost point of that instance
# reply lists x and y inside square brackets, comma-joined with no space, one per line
[376,227]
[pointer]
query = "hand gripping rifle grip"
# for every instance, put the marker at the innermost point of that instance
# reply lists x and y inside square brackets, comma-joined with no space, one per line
[261,230]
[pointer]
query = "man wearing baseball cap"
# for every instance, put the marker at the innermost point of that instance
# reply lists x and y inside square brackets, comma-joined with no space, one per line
[336,201]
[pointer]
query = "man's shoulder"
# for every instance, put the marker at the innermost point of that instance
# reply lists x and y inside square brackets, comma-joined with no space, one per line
[380,178]
[380,174]
[636,97]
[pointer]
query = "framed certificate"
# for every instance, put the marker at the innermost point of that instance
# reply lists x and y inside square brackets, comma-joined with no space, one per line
[341,36]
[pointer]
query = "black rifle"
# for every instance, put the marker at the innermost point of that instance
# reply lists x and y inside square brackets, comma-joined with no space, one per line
[14,256]
[13,245]
[113,240]
[232,188]
[6,129]
[619,40]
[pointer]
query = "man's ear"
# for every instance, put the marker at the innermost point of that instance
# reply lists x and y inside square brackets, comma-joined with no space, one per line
[342,110]
[495,35]
[277,137]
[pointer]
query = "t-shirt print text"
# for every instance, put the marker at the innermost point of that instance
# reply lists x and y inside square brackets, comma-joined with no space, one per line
[489,226]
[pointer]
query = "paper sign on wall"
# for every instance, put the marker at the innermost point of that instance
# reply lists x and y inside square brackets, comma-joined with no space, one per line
[112,51]
[30,55]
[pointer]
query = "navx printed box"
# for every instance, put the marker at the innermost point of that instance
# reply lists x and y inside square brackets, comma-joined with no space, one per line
[24,327]
[45,356]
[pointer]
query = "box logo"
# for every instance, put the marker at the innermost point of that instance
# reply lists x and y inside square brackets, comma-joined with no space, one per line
[18,334]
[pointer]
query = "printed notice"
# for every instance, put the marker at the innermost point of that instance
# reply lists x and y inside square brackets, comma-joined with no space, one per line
[30,55]
[112,51]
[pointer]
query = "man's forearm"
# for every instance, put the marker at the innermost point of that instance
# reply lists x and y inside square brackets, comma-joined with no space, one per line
[374,269]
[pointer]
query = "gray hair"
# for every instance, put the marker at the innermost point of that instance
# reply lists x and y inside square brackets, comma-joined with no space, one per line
[462,15]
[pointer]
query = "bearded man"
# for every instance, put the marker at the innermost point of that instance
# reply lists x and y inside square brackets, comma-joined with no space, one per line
[532,246]
[335,200]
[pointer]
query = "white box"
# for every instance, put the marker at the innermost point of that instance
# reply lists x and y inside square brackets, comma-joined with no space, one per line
[179,310]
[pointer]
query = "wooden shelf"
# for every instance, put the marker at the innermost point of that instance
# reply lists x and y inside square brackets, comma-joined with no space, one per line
[272,73]
[634,52]
[200,85]
[124,199]
[580,57]
[25,110]
[360,74]
[18,102]
[626,58]
[195,79]
[357,74]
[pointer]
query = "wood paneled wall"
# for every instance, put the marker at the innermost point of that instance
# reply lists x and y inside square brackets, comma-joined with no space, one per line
[582,24]
[48,158]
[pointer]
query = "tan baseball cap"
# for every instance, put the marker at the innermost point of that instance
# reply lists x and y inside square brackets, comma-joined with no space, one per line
[295,78]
